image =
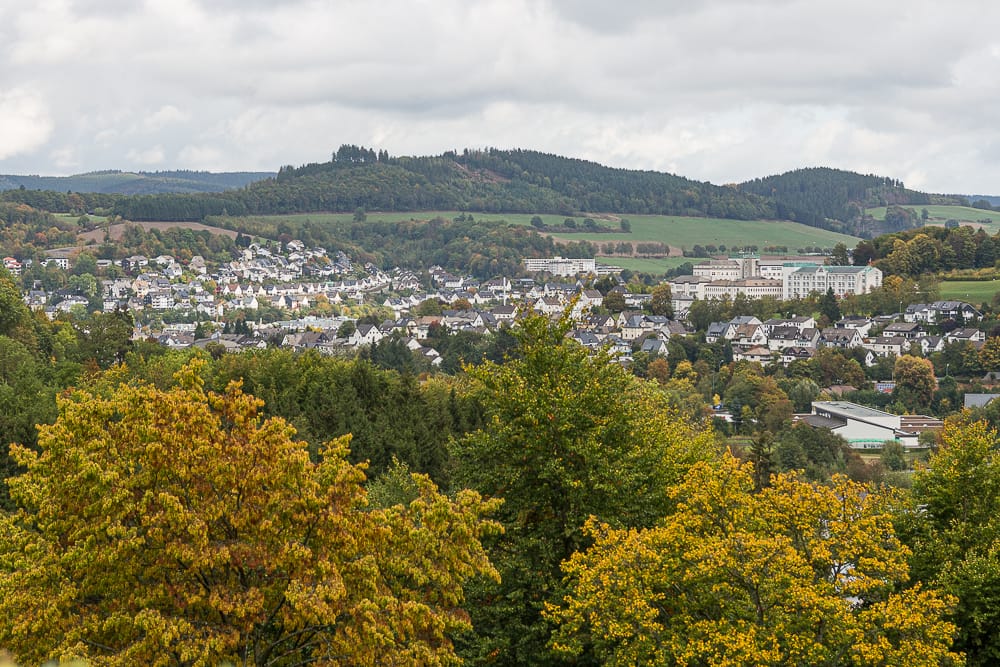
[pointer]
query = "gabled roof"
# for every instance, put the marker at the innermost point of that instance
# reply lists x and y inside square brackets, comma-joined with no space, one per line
[717,328]
[963,334]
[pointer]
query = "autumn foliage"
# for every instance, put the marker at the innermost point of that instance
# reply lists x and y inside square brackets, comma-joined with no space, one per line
[176,527]
[798,574]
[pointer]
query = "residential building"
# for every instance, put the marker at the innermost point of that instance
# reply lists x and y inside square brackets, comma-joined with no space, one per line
[939,311]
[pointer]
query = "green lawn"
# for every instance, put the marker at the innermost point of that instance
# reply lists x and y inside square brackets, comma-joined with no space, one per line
[938,215]
[972,291]
[685,232]
[675,231]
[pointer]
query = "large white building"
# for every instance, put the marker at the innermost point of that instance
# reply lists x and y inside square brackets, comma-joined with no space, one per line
[734,268]
[689,286]
[753,288]
[844,280]
[561,266]
[757,279]
[867,428]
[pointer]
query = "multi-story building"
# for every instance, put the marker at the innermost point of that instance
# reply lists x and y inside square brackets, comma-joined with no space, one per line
[843,280]
[689,286]
[753,288]
[734,268]
[560,266]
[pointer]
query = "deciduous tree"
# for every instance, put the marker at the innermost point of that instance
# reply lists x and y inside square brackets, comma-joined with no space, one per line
[568,436]
[954,531]
[662,302]
[915,383]
[174,527]
[797,574]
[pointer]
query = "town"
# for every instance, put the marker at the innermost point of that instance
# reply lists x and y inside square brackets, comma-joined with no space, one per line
[161,292]
[311,299]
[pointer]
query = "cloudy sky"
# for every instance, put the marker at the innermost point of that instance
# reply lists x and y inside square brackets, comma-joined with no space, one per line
[718,90]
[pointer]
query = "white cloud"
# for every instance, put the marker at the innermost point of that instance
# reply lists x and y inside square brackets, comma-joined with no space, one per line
[719,90]
[164,116]
[146,157]
[65,158]
[25,123]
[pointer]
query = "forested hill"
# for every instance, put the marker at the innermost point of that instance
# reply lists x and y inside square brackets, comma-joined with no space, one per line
[134,183]
[495,181]
[490,181]
[835,199]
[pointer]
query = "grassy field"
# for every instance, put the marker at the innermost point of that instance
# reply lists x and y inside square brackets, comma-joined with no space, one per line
[938,215]
[685,232]
[972,291]
[675,231]
[116,230]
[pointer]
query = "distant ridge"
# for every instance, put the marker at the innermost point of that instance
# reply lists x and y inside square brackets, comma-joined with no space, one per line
[114,181]
[994,200]
[488,181]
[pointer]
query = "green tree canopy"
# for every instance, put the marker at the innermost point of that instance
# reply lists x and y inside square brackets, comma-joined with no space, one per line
[954,531]
[567,436]
[662,301]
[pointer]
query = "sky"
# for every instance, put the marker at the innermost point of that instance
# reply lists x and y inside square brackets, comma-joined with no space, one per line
[715,90]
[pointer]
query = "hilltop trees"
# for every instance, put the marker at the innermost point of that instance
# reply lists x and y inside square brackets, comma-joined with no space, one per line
[177,527]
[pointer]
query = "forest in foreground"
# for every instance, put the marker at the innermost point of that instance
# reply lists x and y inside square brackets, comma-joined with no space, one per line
[544,508]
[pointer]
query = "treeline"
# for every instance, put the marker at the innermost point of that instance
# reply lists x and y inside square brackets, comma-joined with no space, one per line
[404,184]
[483,249]
[517,181]
[25,230]
[929,250]
[494,181]
[132,183]
[594,187]
[61,202]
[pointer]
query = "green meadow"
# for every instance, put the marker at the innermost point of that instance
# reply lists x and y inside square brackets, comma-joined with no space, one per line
[971,291]
[675,231]
[939,214]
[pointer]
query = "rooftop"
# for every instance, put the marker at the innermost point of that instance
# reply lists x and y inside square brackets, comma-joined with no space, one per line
[850,409]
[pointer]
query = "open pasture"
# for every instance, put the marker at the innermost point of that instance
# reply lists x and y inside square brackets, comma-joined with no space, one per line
[970,291]
[938,214]
[675,231]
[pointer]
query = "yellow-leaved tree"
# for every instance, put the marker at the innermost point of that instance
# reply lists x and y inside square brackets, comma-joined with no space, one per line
[797,574]
[176,527]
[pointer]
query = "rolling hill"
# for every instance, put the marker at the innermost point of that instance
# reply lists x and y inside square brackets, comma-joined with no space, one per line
[839,200]
[132,183]
[493,181]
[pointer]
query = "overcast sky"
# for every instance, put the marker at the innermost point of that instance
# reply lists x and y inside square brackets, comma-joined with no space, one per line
[722,90]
